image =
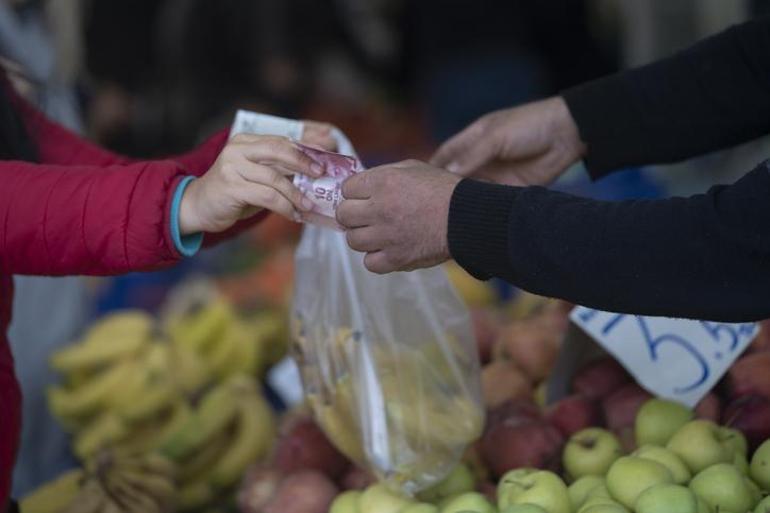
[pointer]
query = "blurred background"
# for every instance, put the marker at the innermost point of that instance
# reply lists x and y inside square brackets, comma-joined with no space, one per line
[153,77]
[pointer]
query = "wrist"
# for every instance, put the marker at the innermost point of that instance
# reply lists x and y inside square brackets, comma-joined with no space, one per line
[565,130]
[189,220]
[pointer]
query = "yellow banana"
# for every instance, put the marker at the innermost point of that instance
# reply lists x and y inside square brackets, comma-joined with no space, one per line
[195,495]
[86,400]
[158,487]
[129,498]
[189,371]
[203,327]
[271,331]
[90,499]
[200,462]
[104,431]
[150,462]
[255,433]
[248,359]
[50,497]
[86,357]
[223,356]
[152,434]
[152,400]
[214,413]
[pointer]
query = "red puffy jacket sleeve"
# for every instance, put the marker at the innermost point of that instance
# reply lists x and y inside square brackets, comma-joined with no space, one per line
[60,220]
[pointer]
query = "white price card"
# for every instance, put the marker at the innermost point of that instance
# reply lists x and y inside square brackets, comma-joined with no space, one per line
[284,378]
[677,359]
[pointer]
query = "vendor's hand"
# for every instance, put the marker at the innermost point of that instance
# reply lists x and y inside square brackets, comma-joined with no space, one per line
[528,145]
[318,135]
[397,214]
[252,172]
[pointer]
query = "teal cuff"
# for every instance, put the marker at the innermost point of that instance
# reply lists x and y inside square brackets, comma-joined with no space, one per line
[189,244]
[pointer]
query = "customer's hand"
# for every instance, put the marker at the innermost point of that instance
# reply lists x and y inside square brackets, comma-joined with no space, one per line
[528,145]
[398,215]
[319,134]
[251,173]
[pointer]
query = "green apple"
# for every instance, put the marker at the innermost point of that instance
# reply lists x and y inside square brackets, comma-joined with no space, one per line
[658,420]
[606,508]
[599,490]
[523,508]
[380,499]
[419,507]
[346,502]
[756,493]
[598,502]
[668,459]
[590,452]
[763,506]
[666,498]
[469,502]
[629,476]
[539,487]
[760,466]
[459,480]
[742,464]
[734,441]
[578,491]
[699,444]
[723,487]
[703,507]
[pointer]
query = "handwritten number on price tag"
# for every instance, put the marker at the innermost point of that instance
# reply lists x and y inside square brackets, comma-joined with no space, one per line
[674,358]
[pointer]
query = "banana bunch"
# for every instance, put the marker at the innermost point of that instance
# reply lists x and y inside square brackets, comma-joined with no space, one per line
[110,483]
[231,428]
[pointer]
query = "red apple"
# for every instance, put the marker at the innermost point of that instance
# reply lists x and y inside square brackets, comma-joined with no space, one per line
[621,407]
[486,327]
[709,408]
[531,345]
[305,491]
[489,490]
[357,478]
[573,413]
[749,414]
[521,442]
[762,342]
[257,489]
[305,446]
[750,374]
[514,409]
[501,380]
[600,378]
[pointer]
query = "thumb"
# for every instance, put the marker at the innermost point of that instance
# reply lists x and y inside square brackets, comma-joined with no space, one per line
[465,152]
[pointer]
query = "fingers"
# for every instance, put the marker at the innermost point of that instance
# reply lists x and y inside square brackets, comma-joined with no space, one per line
[378,263]
[263,149]
[271,199]
[273,179]
[358,186]
[319,135]
[364,240]
[465,152]
[354,213]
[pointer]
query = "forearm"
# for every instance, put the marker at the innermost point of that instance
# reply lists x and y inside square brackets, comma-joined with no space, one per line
[705,257]
[711,96]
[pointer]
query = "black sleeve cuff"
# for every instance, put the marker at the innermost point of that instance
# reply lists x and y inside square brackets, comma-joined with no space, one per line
[604,116]
[478,227]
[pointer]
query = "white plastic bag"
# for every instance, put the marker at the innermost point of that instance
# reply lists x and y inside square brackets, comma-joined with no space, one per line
[388,363]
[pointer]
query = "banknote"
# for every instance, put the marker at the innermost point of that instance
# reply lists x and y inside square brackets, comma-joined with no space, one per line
[326,191]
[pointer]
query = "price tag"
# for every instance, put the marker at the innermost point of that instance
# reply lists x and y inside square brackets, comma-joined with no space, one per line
[284,378]
[677,359]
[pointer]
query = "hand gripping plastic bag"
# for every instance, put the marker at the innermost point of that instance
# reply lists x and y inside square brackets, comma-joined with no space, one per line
[388,363]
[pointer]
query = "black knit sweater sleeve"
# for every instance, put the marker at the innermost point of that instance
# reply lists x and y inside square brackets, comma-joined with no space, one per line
[710,96]
[704,257]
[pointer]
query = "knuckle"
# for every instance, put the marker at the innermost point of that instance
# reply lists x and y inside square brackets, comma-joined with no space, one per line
[270,196]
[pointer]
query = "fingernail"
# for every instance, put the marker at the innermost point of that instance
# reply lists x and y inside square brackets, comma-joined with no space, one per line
[453,167]
[316,168]
[307,203]
[297,217]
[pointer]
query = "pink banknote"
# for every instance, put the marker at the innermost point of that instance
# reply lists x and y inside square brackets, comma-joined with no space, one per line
[326,191]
